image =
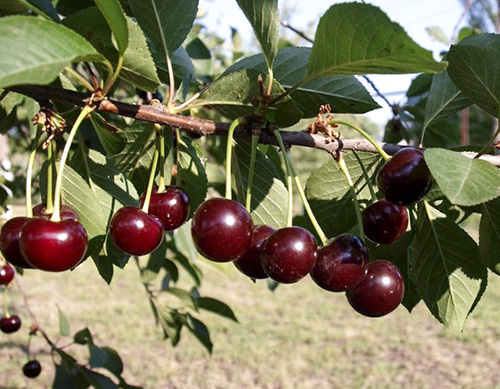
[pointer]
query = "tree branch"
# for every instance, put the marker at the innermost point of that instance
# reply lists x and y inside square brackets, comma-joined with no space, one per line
[209,127]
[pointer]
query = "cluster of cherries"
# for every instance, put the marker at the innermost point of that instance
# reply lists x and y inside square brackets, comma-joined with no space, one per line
[223,231]
[12,323]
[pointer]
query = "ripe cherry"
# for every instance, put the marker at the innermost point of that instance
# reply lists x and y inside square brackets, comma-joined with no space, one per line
[53,246]
[384,222]
[289,254]
[32,369]
[6,274]
[67,212]
[9,242]
[380,292]
[222,229]
[342,264]
[135,232]
[10,324]
[170,206]
[405,179]
[249,263]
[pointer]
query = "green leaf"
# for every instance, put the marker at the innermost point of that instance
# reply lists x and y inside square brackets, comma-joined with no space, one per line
[464,181]
[200,331]
[355,38]
[184,296]
[165,22]
[264,17]
[181,64]
[42,7]
[446,268]
[138,65]
[113,362]
[399,253]
[345,94]
[438,34]
[234,95]
[113,140]
[444,99]
[329,195]
[191,175]
[98,381]
[217,306]
[64,329]
[83,337]
[268,191]
[115,17]
[489,235]
[47,48]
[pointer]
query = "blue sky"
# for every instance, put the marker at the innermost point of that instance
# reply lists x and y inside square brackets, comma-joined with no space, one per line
[413,15]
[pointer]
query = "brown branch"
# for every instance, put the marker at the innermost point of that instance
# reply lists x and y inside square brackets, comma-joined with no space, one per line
[209,127]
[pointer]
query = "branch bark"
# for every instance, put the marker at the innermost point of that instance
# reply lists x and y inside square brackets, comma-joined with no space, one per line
[208,127]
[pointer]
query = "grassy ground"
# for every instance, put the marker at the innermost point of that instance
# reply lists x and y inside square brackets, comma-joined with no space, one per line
[298,337]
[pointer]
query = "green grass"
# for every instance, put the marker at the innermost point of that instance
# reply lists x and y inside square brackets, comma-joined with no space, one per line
[298,337]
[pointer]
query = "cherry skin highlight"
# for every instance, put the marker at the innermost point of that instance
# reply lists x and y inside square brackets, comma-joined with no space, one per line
[53,246]
[135,232]
[6,274]
[249,263]
[405,178]
[342,264]
[380,292]
[170,206]
[222,229]
[384,222]
[9,242]
[10,324]
[289,254]
[66,212]
[32,369]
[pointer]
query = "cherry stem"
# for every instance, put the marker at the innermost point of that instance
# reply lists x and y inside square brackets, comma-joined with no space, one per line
[51,155]
[171,81]
[178,141]
[161,181]
[5,309]
[270,81]
[56,216]
[289,219]
[80,78]
[29,173]
[307,207]
[365,135]
[345,171]
[229,154]
[251,170]
[113,76]
[152,176]
[28,347]
[366,176]
[490,142]
[81,145]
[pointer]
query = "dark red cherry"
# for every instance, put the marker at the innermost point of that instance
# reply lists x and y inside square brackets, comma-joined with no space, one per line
[135,232]
[170,206]
[6,274]
[405,179]
[10,324]
[249,263]
[66,212]
[384,222]
[32,369]
[222,229]
[380,292]
[9,242]
[53,246]
[289,254]
[342,264]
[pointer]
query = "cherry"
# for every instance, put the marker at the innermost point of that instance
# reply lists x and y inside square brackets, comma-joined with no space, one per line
[9,242]
[342,264]
[135,232]
[10,324]
[66,212]
[170,206]
[249,263]
[32,369]
[289,254]
[380,292]
[222,229]
[53,246]
[405,179]
[384,222]
[6,274]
